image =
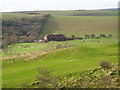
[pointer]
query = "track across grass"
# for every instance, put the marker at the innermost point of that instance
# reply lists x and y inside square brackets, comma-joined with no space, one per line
[23,48]
[74,59]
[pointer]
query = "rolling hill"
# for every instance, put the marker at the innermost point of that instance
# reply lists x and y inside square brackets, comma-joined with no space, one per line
[17,27]
[81,25]
[97,12]
[61,62]
[75,56]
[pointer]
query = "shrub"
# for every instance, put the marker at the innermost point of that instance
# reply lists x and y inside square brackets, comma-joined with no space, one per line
[46,80]
[73,36]
[105,64]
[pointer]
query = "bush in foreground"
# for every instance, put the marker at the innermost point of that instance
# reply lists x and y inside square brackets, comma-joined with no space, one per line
[46,80]
[97,78]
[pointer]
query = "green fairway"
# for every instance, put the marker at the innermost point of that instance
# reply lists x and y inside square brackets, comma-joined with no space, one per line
[62,61]
[81,25]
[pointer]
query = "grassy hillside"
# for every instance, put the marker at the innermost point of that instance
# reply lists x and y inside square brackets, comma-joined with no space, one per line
[61,62]
[97,78]
[18,27]
[24,48]
[82,12]
[21,60]
[80,25]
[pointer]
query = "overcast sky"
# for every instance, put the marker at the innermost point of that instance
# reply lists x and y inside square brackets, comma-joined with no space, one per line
[29,5]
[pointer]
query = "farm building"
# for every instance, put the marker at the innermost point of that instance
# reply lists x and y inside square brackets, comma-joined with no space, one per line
[42,41]
[55,37]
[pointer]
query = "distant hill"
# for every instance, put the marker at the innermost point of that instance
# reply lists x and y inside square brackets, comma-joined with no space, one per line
[18,27]
[110,9]
[96,12]
[81,25]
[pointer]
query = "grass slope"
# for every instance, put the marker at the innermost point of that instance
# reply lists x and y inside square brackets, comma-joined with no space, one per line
[22,48]
[63,61]
[97,78]
[81,12]
[80,25]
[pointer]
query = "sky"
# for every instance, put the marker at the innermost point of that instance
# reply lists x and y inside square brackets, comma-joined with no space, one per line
[31,5]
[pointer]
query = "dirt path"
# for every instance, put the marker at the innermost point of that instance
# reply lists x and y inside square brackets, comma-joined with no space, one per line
[28,55]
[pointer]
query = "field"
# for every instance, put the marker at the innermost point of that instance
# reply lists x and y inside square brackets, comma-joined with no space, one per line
[82,12]
[61,62]
[25,48]
[21,60]
[81,25]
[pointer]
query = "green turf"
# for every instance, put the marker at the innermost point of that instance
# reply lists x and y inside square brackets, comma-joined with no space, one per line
[61,62]
[81,25]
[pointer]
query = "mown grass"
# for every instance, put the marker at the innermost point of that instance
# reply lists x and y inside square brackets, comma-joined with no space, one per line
[81,25]
[75,59]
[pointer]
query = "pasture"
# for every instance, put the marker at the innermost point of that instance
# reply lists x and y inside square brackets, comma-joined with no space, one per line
[21,60]
[81,12]
[81,25]
[24,48]
[61,62]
